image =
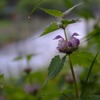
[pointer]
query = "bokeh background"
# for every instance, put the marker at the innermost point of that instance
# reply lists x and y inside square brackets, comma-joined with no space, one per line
[17,31]
[21,48]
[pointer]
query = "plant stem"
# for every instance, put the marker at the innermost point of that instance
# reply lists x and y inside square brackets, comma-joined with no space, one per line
[72,70]
[88,75]
[65,35]
[74,79]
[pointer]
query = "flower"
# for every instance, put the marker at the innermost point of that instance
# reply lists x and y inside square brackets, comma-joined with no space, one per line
[68,46]
[31,88]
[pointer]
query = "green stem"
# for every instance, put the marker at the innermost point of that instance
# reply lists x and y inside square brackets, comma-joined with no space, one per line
[74,79]
[65,35]
[71,66]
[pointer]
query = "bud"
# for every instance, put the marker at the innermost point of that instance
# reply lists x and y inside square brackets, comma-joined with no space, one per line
[31,89]
[27,70]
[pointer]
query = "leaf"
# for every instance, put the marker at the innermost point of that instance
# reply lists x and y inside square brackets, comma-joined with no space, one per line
[50,28]
[55,67]
[90,97]
[28,57]
[65,22]
[1,76]
[81,58]
[90,69]
[55,13]
[70,9]
[35,8]
[18,58]
[68,3]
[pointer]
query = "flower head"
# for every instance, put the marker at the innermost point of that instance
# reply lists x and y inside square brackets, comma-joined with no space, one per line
[68,46]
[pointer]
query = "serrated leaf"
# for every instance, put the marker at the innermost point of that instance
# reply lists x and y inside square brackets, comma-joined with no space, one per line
[55,66]
[91,97]
[35,8]
[88,74]
[70,9]
[50,28]
[55,13]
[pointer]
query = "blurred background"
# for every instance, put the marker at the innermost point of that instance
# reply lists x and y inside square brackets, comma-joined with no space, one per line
[17,31]
[21,50]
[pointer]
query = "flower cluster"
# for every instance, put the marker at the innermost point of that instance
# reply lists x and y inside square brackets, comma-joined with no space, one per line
[68,46]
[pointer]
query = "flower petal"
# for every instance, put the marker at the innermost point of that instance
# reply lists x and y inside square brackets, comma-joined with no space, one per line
[75,34]
[58,37]
[77,41]
[69,44]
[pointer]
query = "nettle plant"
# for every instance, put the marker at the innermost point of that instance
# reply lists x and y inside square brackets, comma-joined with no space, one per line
[66,46]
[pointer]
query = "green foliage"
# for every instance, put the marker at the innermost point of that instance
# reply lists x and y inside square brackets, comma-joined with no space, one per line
[87,13]
[36,7]
[55,13]
[54,26]
[68,3]
[1,76]
[92,97]
[2,4]
[50,28]
[55,66]
[28,57]
[21,80]
[70,9]
[65,22]
[18,58]
[90,69]
[82,58]
[93,36]
[61,85]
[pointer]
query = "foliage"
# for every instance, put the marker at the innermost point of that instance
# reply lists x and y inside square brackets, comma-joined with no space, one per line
[28,85]
[50,28]
[28,57]
[55,13]
[1,76]
[2,4]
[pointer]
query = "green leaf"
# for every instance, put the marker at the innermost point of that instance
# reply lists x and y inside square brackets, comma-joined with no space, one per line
[50,28]
[18,58]
[28,57]
[90,69]
[1,76]
[82,58]
[70,9]
[55,13]
[65,22]
[55,66]
[91,97]
[35,8]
